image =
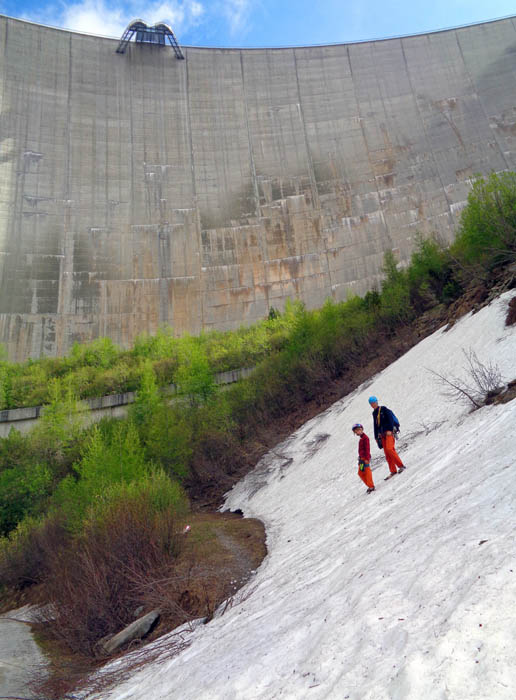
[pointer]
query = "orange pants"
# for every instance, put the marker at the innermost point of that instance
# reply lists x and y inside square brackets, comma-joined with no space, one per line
[392,457]
[367,477]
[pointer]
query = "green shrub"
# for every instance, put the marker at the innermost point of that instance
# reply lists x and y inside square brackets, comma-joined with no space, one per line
[152,491]
[165,369]
[105,461]
[5,386]
[487,230]
[15,451]
[29,384]
[194,377]
[432,275]
[148,397]
[168,440]
[24,491]
[395,307]
[161,345]
[101,352]
[81,380]
[60,425]
[130,539]
[25,554]
[114,380]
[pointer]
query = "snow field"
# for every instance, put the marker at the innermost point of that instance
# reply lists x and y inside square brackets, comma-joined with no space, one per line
[384,596]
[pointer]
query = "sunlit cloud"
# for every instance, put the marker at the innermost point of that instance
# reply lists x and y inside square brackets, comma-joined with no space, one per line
[111,18]
[237,14]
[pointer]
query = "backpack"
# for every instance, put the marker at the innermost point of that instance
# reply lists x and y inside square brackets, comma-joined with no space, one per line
[394,420]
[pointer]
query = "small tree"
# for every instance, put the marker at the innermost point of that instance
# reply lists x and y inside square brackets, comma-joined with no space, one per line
[4,384]
[60,423]
[148,397]
[487,233]
[24,491]
[168,440]
[395,304]
[431,275]
[194,376]
[106,460]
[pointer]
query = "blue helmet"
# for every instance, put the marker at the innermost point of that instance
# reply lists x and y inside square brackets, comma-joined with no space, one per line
[373,399]
[357,425]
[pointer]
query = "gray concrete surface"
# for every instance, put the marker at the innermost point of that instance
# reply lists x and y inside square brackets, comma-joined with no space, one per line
[20,656]
[138,190]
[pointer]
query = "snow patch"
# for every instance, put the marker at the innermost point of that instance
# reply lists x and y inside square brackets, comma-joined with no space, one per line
[405,593]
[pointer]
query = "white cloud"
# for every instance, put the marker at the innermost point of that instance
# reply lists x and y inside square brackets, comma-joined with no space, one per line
[93,17]
[111,18]
[196,9]
[237,13]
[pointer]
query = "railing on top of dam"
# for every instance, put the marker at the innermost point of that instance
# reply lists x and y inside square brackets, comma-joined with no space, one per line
[113,405]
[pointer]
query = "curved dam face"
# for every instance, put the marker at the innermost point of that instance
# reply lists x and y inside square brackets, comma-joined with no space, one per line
[138,190]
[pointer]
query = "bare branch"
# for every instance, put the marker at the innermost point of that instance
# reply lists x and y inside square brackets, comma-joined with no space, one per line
[457,389]
[485,379]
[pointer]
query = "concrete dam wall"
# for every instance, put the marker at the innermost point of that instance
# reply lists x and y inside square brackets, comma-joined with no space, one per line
[138,190]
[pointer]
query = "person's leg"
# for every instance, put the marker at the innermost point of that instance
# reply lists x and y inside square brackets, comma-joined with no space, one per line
[368,478]
[392,457]
[362,475]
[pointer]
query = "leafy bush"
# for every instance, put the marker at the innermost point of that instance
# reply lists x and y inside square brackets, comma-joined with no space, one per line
[31,465]
[25,554]
[101,352]
[24,491]
[168,440]
[130,538]
[29,388]
[161,345]
[117,459]
[148,397]
[59,427]
[487,231]
[194,377]
[5,386]
[165,369]
[395,307]
[115,380]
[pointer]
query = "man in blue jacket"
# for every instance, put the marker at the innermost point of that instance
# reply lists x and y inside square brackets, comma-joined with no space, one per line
[385,424]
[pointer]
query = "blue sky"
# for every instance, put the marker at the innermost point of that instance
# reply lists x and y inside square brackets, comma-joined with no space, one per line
[261,22]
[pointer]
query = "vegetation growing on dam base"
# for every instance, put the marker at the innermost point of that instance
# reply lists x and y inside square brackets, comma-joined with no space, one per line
[93,517]
[436,275]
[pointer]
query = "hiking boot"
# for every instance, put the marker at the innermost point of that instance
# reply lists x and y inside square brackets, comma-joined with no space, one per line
[370,490]
[390,475]
[401,469]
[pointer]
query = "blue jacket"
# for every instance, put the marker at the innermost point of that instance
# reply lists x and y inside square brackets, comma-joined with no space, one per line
[384,423]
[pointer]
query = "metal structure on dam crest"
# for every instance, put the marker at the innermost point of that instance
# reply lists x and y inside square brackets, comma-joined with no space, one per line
[138,190]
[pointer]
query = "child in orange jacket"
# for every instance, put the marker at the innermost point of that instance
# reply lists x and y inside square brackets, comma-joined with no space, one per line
[364,457]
